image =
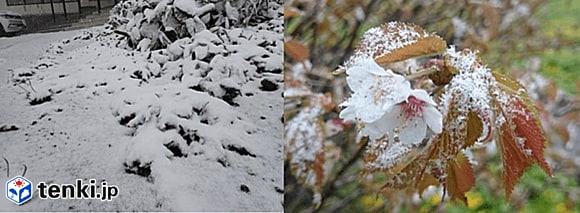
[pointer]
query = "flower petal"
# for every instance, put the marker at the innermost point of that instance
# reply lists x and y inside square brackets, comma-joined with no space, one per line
[422,95]
[433,118]
[401,90]
[348,113]
[375,91]
[414,132]
[385,125]
[358,78]
[364,108]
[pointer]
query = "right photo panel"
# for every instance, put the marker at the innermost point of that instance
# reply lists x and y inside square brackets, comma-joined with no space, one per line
[431,106]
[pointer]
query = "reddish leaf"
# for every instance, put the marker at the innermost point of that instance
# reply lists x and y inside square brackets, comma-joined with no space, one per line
[528,127]
[296,50]
[514,160]
[521,139]
[422,47]
[290,12]
[319,168]
[396,41]
[460,177]
[473,130]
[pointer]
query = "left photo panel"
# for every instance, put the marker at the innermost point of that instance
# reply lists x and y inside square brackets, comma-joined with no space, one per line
[141,105]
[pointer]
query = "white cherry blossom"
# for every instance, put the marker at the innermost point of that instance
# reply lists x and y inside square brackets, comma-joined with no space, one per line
[408,120]
[376,91]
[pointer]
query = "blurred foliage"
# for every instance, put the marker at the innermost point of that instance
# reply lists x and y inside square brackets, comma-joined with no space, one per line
[561,25]
[510,35]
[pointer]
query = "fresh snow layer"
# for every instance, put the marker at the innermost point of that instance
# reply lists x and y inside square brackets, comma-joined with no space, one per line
[114,111]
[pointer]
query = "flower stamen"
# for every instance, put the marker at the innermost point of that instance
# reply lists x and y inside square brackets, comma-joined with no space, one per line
[413,107]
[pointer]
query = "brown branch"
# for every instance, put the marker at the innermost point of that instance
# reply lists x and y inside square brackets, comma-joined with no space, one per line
[330,187]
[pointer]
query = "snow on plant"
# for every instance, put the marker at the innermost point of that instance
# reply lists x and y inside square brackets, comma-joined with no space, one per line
[311,156]
[393,109]
[155,24]
[183,78]
[199,52]
[418,123]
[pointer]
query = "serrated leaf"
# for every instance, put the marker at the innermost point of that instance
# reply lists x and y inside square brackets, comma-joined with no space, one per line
[528,127]
[474,129]
[395,41]
[460,177]
[426,181]
[521,139]
[422,47]
[296,50]
[513,158]
[514,88]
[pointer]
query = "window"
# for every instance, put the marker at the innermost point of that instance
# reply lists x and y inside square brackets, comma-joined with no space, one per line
[28,2]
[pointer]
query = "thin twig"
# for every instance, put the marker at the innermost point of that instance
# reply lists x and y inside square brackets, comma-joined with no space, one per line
[25,168]
[30,84]
[330,187]
[420,73]
[27,91]
[7,167]
[344,202]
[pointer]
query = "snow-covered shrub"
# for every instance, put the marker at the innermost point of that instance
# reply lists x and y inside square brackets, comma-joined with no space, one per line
[202,57]
[194,84]
[155,24]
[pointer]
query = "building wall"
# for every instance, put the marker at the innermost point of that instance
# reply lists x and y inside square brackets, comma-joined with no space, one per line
[38,9]
[104,3]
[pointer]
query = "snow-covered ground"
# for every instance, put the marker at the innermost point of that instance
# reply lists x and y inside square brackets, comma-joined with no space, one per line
[173,134]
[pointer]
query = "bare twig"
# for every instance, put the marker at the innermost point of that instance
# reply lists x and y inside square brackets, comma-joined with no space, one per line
[330,187]
[30,84]
[420,73]
[348,199]
[7,167]
[24,171]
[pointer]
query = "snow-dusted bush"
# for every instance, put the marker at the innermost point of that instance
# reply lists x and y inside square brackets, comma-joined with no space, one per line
[195,84]
[155,24]
[201,57]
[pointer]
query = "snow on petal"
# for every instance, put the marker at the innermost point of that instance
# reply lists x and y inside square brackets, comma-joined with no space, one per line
[423,96]
[413,132]
[407,121]
[385,126]
[375,91]
[433,118]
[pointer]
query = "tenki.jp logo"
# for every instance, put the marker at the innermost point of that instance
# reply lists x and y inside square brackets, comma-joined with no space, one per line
[19,190]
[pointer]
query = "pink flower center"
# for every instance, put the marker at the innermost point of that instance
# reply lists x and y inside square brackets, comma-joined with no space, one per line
[413,107]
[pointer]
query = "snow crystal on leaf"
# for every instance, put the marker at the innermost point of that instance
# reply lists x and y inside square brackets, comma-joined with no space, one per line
[383,154]
[304,137]
[382,40]
[469,90]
